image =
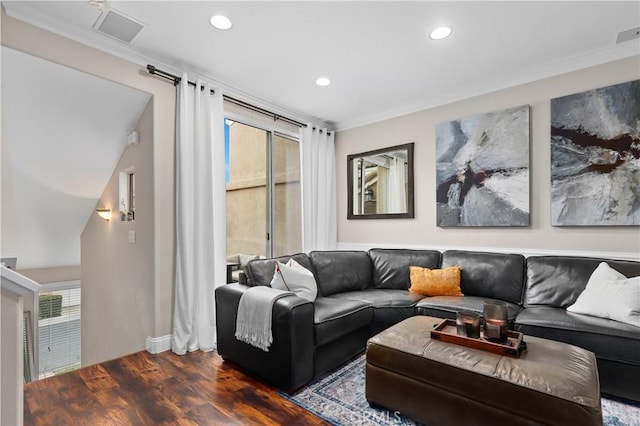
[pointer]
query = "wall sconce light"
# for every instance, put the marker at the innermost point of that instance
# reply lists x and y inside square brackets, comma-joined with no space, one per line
[368,194]
[104,213]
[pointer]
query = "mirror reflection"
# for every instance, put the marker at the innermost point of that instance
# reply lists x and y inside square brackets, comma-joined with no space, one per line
[381,183]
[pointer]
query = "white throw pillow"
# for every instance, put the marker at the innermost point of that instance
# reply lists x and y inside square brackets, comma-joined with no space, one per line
[295,278]
[609,294]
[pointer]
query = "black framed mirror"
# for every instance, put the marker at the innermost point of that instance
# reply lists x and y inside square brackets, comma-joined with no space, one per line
[380,183]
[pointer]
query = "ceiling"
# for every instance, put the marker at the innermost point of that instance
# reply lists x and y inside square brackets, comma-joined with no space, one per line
[60,145]
[57,154]
[377,54]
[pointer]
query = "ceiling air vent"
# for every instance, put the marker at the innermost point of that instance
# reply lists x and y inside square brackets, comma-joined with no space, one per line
[628,35]
[116,25]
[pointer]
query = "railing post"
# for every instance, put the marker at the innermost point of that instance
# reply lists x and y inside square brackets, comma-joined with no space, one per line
[14,288]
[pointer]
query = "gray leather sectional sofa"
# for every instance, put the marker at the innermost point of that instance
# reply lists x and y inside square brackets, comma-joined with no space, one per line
[361,293]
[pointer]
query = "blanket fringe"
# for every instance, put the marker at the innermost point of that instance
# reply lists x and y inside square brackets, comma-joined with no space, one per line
[254,337]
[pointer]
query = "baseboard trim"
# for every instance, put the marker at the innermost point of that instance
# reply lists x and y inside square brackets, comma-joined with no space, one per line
[524,252]
[155,345]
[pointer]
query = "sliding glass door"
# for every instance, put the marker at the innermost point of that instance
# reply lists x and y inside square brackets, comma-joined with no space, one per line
[263,191]
[246,151]
[287,210]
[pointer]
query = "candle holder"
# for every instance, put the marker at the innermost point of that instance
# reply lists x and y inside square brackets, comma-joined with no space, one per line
[468,324]
[495,321]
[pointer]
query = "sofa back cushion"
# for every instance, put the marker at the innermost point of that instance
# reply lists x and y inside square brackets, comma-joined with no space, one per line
[340,271]
[557,281]
[260,271]
[492,275]
[391,266]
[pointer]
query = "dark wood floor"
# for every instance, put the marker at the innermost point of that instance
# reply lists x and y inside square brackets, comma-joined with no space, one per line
[144,389]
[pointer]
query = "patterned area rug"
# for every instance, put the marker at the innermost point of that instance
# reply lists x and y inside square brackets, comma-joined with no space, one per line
[339,399]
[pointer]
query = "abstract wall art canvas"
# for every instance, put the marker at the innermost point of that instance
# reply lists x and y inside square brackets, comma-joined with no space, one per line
[482,170]
[595,157]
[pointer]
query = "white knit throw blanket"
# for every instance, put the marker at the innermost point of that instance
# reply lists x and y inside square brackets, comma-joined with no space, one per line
[253,323]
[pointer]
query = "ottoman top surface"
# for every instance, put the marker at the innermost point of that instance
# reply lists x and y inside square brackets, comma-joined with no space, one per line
[551,368]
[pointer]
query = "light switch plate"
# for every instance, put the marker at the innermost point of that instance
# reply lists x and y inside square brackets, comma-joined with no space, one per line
[628,35]
[132,236]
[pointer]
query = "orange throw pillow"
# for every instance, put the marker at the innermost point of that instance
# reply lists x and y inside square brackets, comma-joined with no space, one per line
[435,282]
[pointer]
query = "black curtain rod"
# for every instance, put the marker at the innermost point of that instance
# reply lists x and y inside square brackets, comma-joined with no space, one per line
[263,111]
[175,80]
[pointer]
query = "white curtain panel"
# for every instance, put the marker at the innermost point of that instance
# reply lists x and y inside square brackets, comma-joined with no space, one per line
[397,191]
[200,216]
[317,156]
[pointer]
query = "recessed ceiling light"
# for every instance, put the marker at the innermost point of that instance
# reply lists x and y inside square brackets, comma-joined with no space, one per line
[221,22]
[440,33]
[323,81]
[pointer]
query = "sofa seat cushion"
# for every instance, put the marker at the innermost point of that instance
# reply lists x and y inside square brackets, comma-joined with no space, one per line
[608,339]
[334,318]
[389,306]
[449,306]
[381,298]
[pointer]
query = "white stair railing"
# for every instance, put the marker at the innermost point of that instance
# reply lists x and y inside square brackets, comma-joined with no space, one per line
[14,287]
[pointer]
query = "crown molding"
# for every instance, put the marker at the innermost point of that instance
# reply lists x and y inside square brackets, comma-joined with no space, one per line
[23,12]
[574,63]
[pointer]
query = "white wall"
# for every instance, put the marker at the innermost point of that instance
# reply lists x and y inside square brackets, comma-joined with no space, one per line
[157,298]
[63,132]
[117,275]
[419,127]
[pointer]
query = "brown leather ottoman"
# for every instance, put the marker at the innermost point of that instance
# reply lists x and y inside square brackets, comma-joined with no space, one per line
[441,383]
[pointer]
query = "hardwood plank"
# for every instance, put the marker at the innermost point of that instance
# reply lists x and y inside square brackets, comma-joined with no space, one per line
[198,388]
[111,400]
[144,368]
[202,413]
[50,416]
[96,378]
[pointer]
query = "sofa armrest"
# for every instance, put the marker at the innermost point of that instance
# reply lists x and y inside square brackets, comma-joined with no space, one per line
[289,362]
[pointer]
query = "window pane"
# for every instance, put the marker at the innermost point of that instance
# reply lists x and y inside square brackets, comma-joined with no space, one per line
[246,189]
[287,206]
[59,331]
